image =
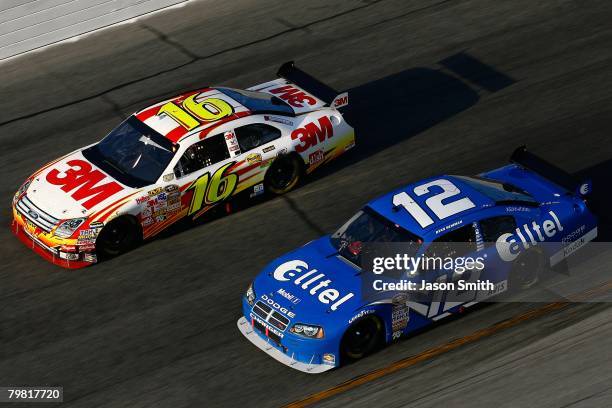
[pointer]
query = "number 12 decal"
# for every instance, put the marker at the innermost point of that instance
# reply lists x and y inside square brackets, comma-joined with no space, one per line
[434,203]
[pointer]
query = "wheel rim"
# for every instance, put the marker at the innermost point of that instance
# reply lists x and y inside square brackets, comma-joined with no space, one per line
[283,174]
[361,338]
[527,270]
[116,237]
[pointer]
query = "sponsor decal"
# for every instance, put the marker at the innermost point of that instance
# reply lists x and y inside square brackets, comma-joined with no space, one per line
[360,315]
[509,245]
[313,133]
[341,100]
[290,297]
[312,282]
[400,312]
[232,143]
[316,157]
[89,233]
[160,218]
[277,306]
[258,189]
[96,224]
[168,177]
[90,257]
[171,188]
[294,96]
[33,214]
[281,152]
[86,241]
[69,256]
[146,212]
[87,247]
[253,158]
[155,191]
[162,197]
[142,199]
[84,182]
[159,207]
[268,149]
[174,207]
[518,209]
[329,358]
[147,221]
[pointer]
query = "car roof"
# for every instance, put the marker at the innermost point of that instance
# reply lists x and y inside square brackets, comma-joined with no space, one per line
[384,205]
[172,130]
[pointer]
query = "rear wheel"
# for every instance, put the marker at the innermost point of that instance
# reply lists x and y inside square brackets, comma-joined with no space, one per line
[362,338]
[118,237]
[284,174]
[526,270]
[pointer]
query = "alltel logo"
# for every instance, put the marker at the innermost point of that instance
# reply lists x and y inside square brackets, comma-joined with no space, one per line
[508,245]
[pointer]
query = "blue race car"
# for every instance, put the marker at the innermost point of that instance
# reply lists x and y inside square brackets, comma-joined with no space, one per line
[318,306]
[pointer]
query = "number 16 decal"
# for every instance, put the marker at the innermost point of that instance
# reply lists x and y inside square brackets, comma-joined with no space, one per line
[208,190]
[434,203]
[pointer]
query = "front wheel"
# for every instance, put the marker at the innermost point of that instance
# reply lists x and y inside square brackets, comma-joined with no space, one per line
[362,338]
[118,237]
[284,174]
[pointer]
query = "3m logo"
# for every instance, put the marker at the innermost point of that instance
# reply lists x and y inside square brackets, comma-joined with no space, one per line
[86,181]
[294,97]
[312,134]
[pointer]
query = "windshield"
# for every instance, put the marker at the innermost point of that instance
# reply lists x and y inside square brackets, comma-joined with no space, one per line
[367,226]
[258,101]
[132,153]
[496,190]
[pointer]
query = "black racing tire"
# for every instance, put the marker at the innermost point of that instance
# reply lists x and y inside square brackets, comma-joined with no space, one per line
[362,338]
[118,236]
[526,270]
[284,174]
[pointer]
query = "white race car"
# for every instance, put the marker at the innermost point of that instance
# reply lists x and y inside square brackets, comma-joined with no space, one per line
[180,158]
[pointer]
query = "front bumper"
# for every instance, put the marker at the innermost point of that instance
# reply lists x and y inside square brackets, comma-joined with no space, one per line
[250,333]
[49,250]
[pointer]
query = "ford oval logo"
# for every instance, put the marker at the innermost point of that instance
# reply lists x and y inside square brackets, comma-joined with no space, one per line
[33,214]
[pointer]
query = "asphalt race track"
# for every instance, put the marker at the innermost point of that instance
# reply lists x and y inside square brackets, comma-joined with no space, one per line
[450,86]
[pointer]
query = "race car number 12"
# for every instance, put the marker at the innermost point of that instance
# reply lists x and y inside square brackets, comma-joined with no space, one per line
[209,190]
[192,113]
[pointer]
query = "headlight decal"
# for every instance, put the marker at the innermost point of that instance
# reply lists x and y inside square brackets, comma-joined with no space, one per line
[68,227]
[308,331]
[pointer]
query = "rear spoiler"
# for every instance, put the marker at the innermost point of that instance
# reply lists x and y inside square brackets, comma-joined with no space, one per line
[550,171]
[310,84]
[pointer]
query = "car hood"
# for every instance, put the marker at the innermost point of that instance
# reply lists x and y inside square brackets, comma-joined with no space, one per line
[73,187]
[313,282]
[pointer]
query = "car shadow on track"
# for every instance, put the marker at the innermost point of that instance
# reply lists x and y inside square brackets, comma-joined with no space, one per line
[393,109]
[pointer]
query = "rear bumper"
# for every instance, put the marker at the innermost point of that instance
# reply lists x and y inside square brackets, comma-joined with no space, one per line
[53,255]
[250,333]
